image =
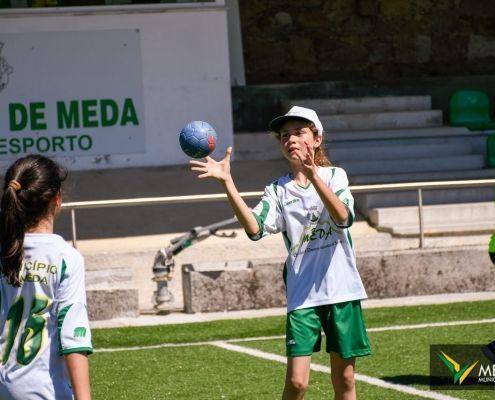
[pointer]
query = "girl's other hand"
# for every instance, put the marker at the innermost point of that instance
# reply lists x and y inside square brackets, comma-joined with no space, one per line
[219,170]
[307,161]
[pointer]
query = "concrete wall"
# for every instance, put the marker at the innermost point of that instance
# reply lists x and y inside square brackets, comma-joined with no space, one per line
[385,275]
[321,40]
[185,72]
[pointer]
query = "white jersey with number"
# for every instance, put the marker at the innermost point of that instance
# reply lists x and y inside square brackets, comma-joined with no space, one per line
[321,265]
[42,320]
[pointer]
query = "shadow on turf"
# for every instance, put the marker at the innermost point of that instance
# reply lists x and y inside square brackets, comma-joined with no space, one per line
[408,379]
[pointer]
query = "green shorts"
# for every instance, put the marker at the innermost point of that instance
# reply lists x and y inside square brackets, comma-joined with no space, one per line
[342,323]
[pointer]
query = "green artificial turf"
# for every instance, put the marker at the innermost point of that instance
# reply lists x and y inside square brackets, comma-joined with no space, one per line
[270,326]
[208,372]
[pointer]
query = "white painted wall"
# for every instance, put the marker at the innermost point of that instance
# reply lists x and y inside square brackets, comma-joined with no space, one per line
[185,68]
[237,74]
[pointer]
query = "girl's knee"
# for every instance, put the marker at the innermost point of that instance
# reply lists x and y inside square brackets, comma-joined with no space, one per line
[298,384]
[344,381]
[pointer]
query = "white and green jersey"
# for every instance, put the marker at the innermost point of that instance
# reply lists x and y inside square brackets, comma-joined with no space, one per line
[42,320]
[321,264]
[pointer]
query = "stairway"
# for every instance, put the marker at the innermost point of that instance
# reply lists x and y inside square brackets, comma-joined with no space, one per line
[389,140]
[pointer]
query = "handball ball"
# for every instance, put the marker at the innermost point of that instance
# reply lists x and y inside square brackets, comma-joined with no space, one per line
[197,139]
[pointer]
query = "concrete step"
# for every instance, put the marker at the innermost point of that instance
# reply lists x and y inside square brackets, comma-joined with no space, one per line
[460,227]
[363,104]
[413,165]
[385,120]
[257,146]
[396,152]
[365,202]
[478,142]
[472,213]
[423,176]
[405,133]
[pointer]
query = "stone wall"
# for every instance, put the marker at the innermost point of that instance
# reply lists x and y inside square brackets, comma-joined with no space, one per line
[322,40]
[259,284]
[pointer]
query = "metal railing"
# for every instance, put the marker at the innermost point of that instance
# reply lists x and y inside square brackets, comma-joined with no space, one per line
[389,187]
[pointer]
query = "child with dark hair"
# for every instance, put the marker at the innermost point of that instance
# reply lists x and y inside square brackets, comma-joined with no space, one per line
[44,329]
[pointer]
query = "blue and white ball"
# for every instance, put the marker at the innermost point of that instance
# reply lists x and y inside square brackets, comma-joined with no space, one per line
[198,139]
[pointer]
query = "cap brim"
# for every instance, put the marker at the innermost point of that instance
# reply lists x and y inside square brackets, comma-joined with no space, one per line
[276,124]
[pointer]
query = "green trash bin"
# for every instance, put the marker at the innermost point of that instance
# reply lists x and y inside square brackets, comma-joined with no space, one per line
[490,151]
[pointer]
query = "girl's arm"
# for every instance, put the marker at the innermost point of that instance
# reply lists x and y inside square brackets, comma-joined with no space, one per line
[220,170]
[78,367]
[333,204]
[337,209]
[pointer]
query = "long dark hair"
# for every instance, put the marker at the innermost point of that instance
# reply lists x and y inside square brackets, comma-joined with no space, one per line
[31,184]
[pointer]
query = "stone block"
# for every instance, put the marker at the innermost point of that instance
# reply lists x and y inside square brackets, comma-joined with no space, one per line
[392,274]
[112,303]
[224,289]
[268,284]
[423,272]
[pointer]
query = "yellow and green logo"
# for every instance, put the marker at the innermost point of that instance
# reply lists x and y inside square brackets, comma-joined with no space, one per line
[458,373]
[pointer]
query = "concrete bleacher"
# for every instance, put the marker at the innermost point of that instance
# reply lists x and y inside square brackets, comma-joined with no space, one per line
[389,140]
[467,218]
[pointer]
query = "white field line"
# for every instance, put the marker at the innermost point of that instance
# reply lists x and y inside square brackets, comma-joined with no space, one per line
[431,325]
[322,368]
[252,339]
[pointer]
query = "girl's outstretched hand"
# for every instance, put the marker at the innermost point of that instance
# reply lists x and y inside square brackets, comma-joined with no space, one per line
[219,170]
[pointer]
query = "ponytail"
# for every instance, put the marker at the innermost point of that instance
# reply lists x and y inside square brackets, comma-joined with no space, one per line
[12,235]
[30,186]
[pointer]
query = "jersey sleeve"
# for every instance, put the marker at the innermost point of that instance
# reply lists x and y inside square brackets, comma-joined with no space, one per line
[268,214]
[74,334]
[340,186]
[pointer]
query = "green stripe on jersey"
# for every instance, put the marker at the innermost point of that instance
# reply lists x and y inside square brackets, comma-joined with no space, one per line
[260,219]
[60,321]
[63,275]
[264,211]
[87,350]
[350,238]
[275,190]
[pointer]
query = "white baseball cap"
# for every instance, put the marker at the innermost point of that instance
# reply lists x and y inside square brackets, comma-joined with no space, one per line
[296,112]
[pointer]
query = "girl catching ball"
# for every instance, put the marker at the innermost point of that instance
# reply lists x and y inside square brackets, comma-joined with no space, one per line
[44,328]
[313,208]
